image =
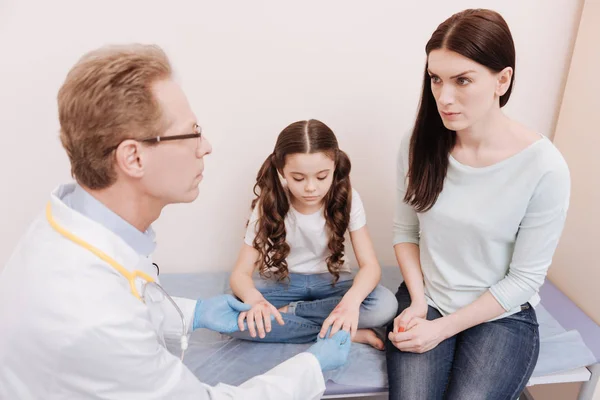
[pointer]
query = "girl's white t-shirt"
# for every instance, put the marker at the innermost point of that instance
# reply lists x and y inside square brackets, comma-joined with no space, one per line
[308,237]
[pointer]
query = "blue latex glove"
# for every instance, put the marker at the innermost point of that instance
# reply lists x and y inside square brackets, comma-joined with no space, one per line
[219,313]
[332,352]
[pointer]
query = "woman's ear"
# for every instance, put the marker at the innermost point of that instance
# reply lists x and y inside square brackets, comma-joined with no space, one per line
[504,80]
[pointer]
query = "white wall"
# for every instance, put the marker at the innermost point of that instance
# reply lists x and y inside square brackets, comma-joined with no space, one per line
[250,68]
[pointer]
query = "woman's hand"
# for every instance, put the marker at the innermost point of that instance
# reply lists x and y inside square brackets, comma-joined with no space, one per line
[415,310]
[420,336]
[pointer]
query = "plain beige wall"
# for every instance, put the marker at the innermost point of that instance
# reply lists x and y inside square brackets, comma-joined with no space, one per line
[576,267]
[249,69]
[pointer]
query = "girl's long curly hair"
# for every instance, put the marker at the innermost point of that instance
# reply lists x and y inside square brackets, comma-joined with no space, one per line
[306,137]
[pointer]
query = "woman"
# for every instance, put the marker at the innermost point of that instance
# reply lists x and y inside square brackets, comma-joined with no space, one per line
[481,205]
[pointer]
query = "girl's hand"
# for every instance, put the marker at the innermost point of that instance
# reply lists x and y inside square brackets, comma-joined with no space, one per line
[260,315]
[344,316]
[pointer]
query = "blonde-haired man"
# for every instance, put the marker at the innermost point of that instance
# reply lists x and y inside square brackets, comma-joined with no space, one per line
[82,314]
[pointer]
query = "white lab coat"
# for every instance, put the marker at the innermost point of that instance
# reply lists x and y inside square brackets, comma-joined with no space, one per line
[70,327]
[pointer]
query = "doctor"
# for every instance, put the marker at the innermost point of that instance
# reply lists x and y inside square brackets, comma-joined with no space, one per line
[82,314]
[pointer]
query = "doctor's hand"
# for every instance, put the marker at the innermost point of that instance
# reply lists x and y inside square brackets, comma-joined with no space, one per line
[332,352]
[259,318]
[343,317]
[420,336]
[219,313]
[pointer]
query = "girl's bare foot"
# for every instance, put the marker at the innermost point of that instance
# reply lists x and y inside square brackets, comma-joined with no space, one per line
[368,336]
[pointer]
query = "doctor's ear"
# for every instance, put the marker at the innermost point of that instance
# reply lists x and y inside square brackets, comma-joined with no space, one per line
[129,158]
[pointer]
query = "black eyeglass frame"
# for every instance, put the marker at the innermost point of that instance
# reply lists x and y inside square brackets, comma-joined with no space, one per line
[158,139]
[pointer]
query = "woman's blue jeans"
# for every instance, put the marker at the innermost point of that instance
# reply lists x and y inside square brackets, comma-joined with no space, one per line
[491,361]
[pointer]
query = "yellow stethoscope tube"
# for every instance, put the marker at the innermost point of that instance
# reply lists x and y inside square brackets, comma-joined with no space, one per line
[103,256]
[131,276]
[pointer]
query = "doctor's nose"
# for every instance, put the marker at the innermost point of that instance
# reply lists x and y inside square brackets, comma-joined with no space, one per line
[204,147]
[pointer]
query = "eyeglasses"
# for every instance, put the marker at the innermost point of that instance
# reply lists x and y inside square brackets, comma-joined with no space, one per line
[158,139]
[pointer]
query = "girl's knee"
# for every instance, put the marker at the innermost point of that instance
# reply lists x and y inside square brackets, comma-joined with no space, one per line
[379,308]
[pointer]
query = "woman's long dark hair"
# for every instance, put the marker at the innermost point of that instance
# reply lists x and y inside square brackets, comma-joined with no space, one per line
[304,137]
[482,36]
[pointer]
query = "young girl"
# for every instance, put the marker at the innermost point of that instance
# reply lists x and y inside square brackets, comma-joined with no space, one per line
[295,239]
